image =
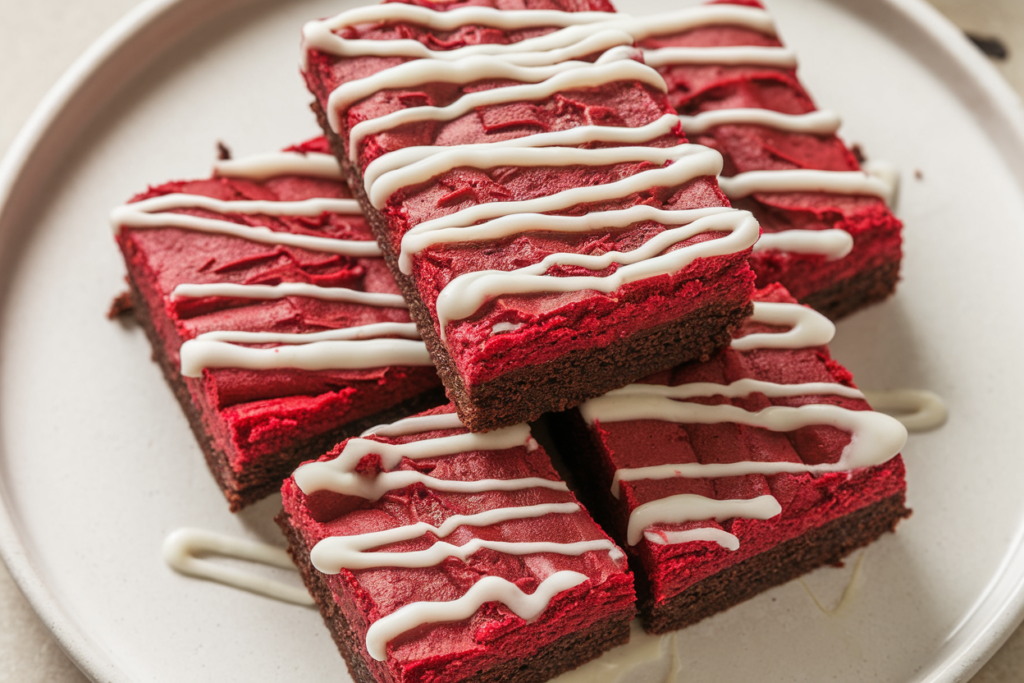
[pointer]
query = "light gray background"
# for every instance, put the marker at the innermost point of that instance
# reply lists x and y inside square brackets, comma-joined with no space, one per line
[39,39]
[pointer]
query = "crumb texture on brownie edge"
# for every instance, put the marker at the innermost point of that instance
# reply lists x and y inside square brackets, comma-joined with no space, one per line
[826,224]
[322,87]
[565,534]
[284,187]
[681,547]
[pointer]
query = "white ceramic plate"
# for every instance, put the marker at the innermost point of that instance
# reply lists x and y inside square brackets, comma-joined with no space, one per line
[97,463]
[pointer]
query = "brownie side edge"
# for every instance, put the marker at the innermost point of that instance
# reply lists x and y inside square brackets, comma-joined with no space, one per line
[243,489]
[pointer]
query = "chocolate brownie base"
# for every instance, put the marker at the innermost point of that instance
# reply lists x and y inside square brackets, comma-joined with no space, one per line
[263,479]
[525,394]
[865,288]
[565,654]
[827,544]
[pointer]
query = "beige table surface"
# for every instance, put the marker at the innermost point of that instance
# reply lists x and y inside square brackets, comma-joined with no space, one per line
[30,63]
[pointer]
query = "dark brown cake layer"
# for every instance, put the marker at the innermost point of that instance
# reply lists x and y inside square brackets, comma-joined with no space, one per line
[565,654]
[264,478]
[827,544]
[867,287]
[578,375]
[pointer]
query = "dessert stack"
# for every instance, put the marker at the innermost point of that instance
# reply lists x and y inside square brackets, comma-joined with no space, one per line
[549,209]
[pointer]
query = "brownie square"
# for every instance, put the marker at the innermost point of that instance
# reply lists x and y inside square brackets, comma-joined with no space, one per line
[443,555]
[555,235]
[725,478]
[271,314]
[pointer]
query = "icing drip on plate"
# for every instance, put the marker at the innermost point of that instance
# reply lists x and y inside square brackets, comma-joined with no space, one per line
[185,550]
[919,410]
[875,437]
[336,553]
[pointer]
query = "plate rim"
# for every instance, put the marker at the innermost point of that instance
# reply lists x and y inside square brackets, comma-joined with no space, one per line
[963,653]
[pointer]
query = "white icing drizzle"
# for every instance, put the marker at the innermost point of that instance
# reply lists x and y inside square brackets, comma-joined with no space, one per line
[184,550]
[264,166]
[286,289]
[487,589]
[832,243]
[732,55]
[371,331]
[738,389]
[710,534]
[199,354]
[689,507]
[807,328]
[574,27]
[418,425]
[465,294]
[339,474]
[149,213]
[692,162]
[333,554]
[393,169]
[875,438]
[349,552]
[470,70]
[805,180]
[587,76]
[437,164]
[919,410]
[820,122]
[887,173]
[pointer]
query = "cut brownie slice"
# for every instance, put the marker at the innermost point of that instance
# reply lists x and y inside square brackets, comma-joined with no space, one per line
[828,235]
[725,478]
[436,554]
[531,189]
[271,314]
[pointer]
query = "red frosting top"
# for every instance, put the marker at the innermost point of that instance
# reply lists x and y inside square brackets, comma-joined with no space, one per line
[695,88]
[546,325]
[807,500]
[450,651]
[257,412]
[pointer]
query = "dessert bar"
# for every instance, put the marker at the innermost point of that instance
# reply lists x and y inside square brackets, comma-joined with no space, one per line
[725,478]
[437,554]
[829,236]
[554,233]
[271,313]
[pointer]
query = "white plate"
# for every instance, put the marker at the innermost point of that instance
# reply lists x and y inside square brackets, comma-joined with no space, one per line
[98,465]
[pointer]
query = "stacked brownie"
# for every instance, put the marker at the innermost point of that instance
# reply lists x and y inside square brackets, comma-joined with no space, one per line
[829,236]
[271,313]
[527,179]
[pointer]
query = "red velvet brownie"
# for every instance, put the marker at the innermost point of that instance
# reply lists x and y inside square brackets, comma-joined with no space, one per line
[438,554]
[725,478]
[271,314]
[828,235]
[531,189]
